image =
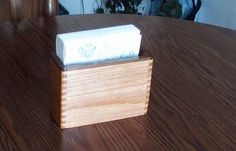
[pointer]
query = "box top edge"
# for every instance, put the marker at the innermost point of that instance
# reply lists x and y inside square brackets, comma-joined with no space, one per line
[95,64]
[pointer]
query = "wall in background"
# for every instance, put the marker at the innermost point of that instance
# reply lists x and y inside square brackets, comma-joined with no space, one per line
[76,7]
[73,6]
[218,12]
[145,7]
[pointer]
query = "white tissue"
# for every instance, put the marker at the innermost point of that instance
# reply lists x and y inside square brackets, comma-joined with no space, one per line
[98,44]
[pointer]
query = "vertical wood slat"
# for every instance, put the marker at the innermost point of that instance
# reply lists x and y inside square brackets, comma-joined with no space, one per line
[100,98]
[50,7]
[18,9]
[4,10]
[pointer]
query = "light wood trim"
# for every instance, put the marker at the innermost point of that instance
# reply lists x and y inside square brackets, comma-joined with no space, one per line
[101,93]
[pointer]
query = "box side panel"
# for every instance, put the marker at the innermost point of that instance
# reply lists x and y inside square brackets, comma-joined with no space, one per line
[107,93]
[149,81]
[55,101]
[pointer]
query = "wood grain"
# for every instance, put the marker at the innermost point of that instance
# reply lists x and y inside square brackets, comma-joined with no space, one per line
[193,91]
[100,93]
[19,9]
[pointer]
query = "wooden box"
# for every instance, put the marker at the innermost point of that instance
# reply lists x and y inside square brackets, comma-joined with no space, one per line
[95,93]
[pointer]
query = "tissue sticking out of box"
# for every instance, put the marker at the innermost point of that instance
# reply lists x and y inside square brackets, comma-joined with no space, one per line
[98,44]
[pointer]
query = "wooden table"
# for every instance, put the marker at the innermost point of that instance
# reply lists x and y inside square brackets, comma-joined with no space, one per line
[193,94]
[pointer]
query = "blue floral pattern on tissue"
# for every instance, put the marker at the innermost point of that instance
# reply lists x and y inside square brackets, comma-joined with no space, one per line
[87,51]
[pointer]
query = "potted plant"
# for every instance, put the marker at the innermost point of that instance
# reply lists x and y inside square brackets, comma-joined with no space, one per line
[123,6]
[171,8]
[99,7]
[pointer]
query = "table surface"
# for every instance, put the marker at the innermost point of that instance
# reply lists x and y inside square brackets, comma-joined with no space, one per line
[193,94]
